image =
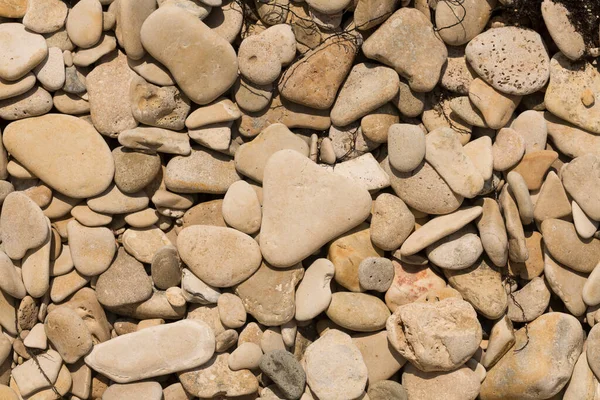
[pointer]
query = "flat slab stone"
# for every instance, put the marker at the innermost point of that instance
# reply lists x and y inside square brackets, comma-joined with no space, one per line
[155,351]
[305,206]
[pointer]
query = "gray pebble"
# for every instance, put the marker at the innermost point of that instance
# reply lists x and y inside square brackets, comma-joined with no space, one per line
[376,273]
[285,371]
[387,390]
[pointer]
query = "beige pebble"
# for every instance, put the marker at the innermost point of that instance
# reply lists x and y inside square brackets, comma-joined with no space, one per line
[21,51]
[84,23]
[30,379]
[569,139]
[151,70]
[130,16]
[32,103]
[90,259]
[406,146]
[566,283]
[86,57]
[166,269]
[143,243]
[508,149]
[10,89]
[154,140]
[532,300]
[86,216]
[496,107]
[114,201]
[142,219]
[532,126]
[391,222]
[579,175]
[134,391]
[533,167]
[462,383]
[68,334]
[357,311]
[65,285]
[410,283]
[241,208]
[552,201]
[501,339]
[522,197]
[231,311]
[517,249]
[456,251]
[226,20]
[51,72]
[566,247]
[36,339]
[457,74]
[250,96]
[314,292]
[68,103]
[10,282]
[569,41]
[585,226]
[245,356]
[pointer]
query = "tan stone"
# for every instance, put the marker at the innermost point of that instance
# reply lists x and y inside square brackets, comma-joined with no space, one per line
[552,201]
[457,74]
[130,16]
[375,125]
[533,167]
[10,89]
[241,208]
[357,311]
[65,285]
[68,103]
[566,247]
[461,384]
[314,291]
[134,391]
[569,139]
[151,70]
[456,251]
[163,107]
[68,334]
[517,249]
[566,284]
[391,222]
[29,376]
[12,8]
[154,140]
[473,17]
[529,302]
[250,96]
[84,23]
[207,213]
[410,283]
[144,243]
[578,177]
[114,201]
[568,40]
[21,50]
[33,103]
[508,149]
[481,154]
[86,57]
[226,20]
[496,107]
[10,281]
[381,359]
[534,265]
[22,225]
[92,249]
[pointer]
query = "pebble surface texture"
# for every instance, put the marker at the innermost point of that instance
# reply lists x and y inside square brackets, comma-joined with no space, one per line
[299,199]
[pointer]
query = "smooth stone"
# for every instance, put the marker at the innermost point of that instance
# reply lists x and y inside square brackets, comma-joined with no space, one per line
[144,243]
[10,89]
[269,294]
[13,9]
[387,390]
[349,142]
[566,247]
[577,177]
[481,155]
[68,334]
[399,42]
[208,314]
[10,280]
[84,23]
[534,265]
[287,190]
[330,62]
[466,110]
[205,68]
[130,16]
[92,249]
[367,87]
[21,51]
[569,81]
[313,295]
[33,103]
[124,282]
[36,339]
[406,147]
[51,72]
[154,140]
[533,167]
[391,222]
[134,391]
[215,136]
[84,302]
[163,107]
[591,351]
[585,226]
[32,376]
[59,39]
[517,248]
[496,107]
[358,312]
[473,17]
[251,158]
[245,356]
[27,313]
[501,339]
[569,139]
[203,171]
[75,81]
[376,124]
[241,208]
[8,313]
[164,198]
[252,97]
[347,252]
[552,201]
[86,216]
[165,349]
[108,88]
[35,268]
[457,251]
[418,330]
[583,382]
[566,37]
[206,250]
[461,384]
[166,267]
[334,365]
[376,273]
[287,373]
[520,191]
[532,126]
[114,201]
[22,225]
[365,170]
[151,70]
[381,359]
[272,340]
[231,311]
[543,366]
[86,57]
[566,284]
[523,65]
[226,340]
[222,110]
[196,291]
[207,213]
[410,283]
[215,378]
[423,189]
[142,219]
[226,20]
[529,302]
[410,103]
[508,149]
[439,228]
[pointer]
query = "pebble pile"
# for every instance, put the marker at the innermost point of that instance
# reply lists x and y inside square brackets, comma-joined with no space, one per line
[299,199]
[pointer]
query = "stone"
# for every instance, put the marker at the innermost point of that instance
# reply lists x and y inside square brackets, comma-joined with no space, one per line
[196,291]
[376,124]
[461,24]
[51,72]
[124,282]
[534,265]
[579,175]
[315,80]
[10,89]
[251,158]
[84,23]
[398,43]
[134,170]
[166,267]
[252,97]
[532,126]
[13,9]
[231,311]
[418,330]
[86,57]
[583,382]
[381,359]
[365,170]
[92,249]
[496,107]
[375,273]
[10,280]
[563,33]
[532,300]
[151,70]
[347,252]
[552,201]
[517,249]
[65,285]
[521,67]
[144,243]
[75,80]
[533,167]
[203,171]
[21,51]
[35,268]
[222,110]
[130,16]
[457,74]
[226,340]
[274,13]
[423,189]
[152,140]
[181,345]
[285,190]
[406,146]
[272,340]
[226,20]
[456,251]
[68,334]
[520,191]
[8,313]
[134,391]
[207,213]
[383,390]
[84,302]
[543,367]
[461,384]
[221,257]
[108,89]
[114,201]
[313,295]
[215,378]
[22,225]
[86,216]
[205,68]
[334,365]
[33,103]
[349,142]
[592,347]
[568,83]
[287,373]
[269,294]
[163,107]
[367,87]
[29,376]
[566,284]
[464,108]
[445,153]
[358,312]
[391,222]
[410,283]
[569,139]
[208,314]
[566,247]
[585,226]
[241,208]
[36,339]
[245,356]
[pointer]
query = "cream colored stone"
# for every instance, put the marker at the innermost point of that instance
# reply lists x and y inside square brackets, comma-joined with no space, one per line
[406,146]
[241,208]
[585,226]
[473,16]
[569,139]
[84,23]
[114,201]
[364,170]
[86,57]
[68,334]
[92,249]
[358,312]
[246,356]
[10,280]
[566,247]
[130,16]
[33,103]
[154,140]
[532,126]
[21,51]
[580,175]
[51,71]
[134,391]
[517,249]
[151,70]
[480,152]
[86,216]
[566,284]
[29,376]
[569,41]
[226,21]
[552,201]
[10,89]
[68,103]
[460,384]
[519,189]
[496,107]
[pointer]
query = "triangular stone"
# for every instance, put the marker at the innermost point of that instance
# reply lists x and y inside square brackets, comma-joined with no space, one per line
[552,201]
[305,206]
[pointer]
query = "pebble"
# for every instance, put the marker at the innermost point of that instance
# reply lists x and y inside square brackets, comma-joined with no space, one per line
[130,16]
[512,60]
[410,283]
[11,283]
[457,74]
[231,311]
[391,222]
[381,359]
[272,340]
[533,167]
[196,291]
[569,139]
[10,89]
[51,72]
[144,243]
[33,103]
[418,330]
[313,295]
[252,97]
[358,312]
[86,57]
[399,42]
[473,17]
[166,267]
[154,140]
[21,51]
[37,339]
[566,284]
[533,127]
[134,391]
[245,356]
[334,365]
[496,107]
[576,177]
[529,302]
[561,29]
[68,334]
[13,9]
[456,251]
[552,201]
[84,23]
[364,170]
[181,354]
[29,376]
[287,373]
[566,247]
[65,285]
[163,107]
[520,191]
[375,125]
[390,390]
[114,201]
[406,146]
[585,226]
[517,248]
[460,384]
[92,249]
[86,216]
[375,273]
[241,208]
